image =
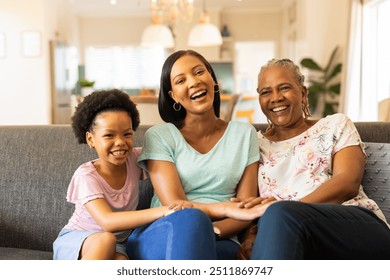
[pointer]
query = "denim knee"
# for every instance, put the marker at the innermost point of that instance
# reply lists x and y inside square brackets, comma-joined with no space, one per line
[186,234]
[282,211]
[279,233]
[192,221]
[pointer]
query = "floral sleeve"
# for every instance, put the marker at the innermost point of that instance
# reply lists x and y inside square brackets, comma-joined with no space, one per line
[346,134]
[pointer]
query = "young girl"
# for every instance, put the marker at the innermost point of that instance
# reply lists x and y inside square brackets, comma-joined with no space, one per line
[105,190]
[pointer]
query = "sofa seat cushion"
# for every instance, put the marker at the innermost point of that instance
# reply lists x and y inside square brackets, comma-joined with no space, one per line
[24,254]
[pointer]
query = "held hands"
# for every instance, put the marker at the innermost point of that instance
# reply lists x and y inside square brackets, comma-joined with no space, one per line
[252,201]
[247,209]
[177,205]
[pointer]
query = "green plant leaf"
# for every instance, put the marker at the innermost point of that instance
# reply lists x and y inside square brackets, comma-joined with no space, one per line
[86,83]
[335,71]
[335,88]
[316,88]
[319,84]
[329,108]
[311,64]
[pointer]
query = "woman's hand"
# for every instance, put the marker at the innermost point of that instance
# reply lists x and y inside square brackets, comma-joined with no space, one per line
[235,211]
[252,201]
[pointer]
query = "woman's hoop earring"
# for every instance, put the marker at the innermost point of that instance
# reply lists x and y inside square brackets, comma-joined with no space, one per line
[177,107]
[216,88]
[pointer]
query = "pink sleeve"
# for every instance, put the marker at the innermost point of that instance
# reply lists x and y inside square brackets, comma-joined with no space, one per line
[84,188]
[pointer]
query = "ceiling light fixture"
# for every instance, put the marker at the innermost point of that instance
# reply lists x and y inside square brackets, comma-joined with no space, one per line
[170,12]
[204,34]
[157,35]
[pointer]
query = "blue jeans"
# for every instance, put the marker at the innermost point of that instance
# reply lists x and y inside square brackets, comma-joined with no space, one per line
[183,235]
[296,230]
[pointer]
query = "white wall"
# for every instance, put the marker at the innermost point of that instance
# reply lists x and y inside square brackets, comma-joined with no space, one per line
[25,96]
[319,26]
[24,85]
[316,29]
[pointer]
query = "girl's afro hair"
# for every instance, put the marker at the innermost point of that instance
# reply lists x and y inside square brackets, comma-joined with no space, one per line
[98,102]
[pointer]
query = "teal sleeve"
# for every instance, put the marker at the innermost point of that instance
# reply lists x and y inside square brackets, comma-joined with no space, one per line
[157,146]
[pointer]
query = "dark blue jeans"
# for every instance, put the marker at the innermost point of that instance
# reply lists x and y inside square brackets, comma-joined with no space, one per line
[296,230]
[184,235]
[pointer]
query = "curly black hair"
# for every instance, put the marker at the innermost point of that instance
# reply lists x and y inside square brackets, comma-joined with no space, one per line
[98,102]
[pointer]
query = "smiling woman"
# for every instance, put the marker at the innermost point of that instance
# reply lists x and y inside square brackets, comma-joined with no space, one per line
[309,180]
[186,160]
[283,97]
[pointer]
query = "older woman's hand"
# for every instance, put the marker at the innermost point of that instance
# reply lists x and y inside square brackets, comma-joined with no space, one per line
[252,201]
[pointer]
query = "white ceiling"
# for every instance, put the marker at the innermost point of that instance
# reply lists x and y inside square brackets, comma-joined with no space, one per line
[141,7]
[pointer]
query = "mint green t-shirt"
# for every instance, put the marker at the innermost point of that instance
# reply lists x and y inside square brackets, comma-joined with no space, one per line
[206,178]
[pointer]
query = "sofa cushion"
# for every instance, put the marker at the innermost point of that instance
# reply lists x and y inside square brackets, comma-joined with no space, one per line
[376,181]
[24,254]
[37,164]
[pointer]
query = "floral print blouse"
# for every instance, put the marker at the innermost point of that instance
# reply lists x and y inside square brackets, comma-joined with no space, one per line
[293,168]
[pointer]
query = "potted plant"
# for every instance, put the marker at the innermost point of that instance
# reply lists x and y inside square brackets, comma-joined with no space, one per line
[86,86]
[324,88]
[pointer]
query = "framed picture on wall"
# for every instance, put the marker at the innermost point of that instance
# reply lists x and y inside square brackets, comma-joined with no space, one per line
[31,43]
[2,44]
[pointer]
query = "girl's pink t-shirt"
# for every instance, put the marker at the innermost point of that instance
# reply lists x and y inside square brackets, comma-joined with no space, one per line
[87,184]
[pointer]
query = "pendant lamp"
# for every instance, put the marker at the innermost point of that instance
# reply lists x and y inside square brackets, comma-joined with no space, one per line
[204,34]
[157,35]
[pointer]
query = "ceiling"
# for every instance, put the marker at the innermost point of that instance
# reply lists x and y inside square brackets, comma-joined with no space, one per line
[141,7]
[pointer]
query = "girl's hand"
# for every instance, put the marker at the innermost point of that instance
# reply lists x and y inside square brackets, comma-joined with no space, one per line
[177,206]
[168,212]
[180,204]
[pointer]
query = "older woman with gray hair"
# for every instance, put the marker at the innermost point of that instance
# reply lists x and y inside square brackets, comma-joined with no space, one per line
[309,180]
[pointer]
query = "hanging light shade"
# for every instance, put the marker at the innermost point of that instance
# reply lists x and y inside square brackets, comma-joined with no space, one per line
[204,34]
[157,34]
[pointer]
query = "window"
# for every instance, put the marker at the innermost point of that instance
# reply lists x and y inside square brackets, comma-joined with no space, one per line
[124,67]
[375,57]
[368,79]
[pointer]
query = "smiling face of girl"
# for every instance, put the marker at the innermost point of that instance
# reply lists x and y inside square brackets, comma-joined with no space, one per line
[112,137]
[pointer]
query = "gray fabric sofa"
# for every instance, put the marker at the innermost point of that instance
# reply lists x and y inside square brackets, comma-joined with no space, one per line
[37,163]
